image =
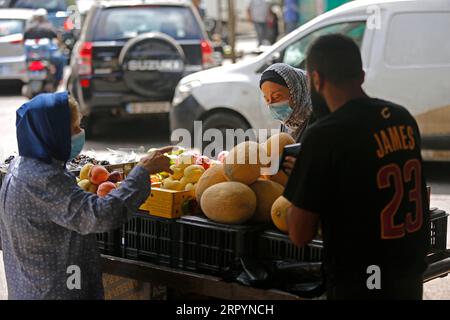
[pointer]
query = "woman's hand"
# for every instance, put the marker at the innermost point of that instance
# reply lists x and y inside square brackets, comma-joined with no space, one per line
[156,161]
[289,164]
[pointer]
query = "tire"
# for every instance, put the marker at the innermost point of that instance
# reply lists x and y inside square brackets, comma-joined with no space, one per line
[153,64]
[87,123]
[223,121]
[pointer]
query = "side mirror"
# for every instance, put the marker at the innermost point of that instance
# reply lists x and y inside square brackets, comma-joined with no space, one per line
[274,58]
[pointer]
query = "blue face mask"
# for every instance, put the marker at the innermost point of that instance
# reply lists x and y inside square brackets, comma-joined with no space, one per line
[281,111]
[78,141]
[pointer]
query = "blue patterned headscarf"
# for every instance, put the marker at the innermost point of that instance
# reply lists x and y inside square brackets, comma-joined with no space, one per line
[43,128]
[297,84]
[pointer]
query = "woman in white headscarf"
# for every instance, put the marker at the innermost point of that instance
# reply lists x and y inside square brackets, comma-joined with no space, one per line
[287,94]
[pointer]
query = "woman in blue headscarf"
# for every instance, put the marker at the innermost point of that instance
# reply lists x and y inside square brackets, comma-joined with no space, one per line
[48,225]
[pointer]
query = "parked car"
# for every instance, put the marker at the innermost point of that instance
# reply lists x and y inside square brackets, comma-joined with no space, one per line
[12,54]
[132,54]
[59,14]
[406,55]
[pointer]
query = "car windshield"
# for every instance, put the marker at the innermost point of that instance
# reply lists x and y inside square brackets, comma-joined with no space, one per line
[9,27]
[128,22]
[5,3]
[49,5]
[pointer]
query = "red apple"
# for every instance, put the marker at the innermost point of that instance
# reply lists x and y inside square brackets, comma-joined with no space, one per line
[221,157]
[203,161]
[115,177]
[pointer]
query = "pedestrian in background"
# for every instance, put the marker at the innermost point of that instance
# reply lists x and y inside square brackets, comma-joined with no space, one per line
[291,13]
[258,13]
[198,5]
[272,27]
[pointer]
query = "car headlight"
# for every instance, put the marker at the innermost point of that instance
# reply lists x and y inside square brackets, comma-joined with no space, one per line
[184,90]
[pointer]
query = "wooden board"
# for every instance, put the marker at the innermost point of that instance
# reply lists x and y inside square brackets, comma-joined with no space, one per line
[184,281]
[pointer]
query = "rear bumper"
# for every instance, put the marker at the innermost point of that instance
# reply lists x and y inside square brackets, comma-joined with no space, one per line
[13,69]
[183,115]
[109,102]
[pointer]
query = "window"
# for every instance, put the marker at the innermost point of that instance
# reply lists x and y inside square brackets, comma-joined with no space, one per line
[295,54]
[9,27]
[418,39]
[126,23]
[49,5]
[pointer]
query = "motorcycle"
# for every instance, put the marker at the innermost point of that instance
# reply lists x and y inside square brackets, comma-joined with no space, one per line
[41,72]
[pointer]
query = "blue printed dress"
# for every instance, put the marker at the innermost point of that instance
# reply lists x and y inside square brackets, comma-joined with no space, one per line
[48,224]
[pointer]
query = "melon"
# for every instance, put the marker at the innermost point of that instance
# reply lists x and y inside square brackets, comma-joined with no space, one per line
[279,213]
[283,139]
[280,178]
[212,176]
[266,192]
[229,203]
[243,163]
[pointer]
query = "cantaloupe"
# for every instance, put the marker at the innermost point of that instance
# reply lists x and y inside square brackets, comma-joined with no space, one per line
[283,139]
[266,192]
[212,176]
[279,213]
[243,163]
[280,178]
[229,203]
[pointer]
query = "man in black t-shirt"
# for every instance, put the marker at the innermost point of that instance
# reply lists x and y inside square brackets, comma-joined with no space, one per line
[40,27]
[359,173]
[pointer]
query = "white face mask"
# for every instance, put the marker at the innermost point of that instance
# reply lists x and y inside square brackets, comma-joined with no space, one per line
[78,142]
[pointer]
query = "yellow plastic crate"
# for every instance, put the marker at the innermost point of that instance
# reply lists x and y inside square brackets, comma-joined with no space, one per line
[170,204]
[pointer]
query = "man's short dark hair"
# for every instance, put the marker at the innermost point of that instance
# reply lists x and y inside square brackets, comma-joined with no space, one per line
[335,57]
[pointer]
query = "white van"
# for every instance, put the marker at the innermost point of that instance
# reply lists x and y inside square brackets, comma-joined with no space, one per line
[405,46]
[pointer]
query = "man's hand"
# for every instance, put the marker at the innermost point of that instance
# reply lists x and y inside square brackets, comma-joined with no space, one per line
[289,164]
[156,161]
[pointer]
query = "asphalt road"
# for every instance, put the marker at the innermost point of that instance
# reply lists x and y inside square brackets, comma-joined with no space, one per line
[140,134]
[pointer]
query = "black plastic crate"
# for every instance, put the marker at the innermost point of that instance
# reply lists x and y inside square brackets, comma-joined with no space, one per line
[214,248]
[109,243]
[151,239]
[274,245]
[438,220]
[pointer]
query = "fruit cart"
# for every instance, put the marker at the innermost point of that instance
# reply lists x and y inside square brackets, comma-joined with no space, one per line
[168,244]
[192,255]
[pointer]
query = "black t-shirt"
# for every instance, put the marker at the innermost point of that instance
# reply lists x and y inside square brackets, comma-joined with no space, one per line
[360,169]
[41,31]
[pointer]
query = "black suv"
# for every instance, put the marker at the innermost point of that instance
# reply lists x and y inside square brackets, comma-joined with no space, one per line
[132,54]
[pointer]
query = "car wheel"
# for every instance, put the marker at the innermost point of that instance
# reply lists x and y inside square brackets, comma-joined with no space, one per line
[87,123]
[223,121]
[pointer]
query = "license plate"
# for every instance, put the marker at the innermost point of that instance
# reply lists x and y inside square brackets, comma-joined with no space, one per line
[37,75]
[4,70]
[148,107]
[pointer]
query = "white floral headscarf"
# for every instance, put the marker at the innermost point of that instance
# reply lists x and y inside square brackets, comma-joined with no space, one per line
[297,83]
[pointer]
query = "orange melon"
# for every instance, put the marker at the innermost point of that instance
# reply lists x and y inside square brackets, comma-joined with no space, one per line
[266,192]
[279,213]
[243,163]
[280,178]
[212,176]
[229,203]
[282,139]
